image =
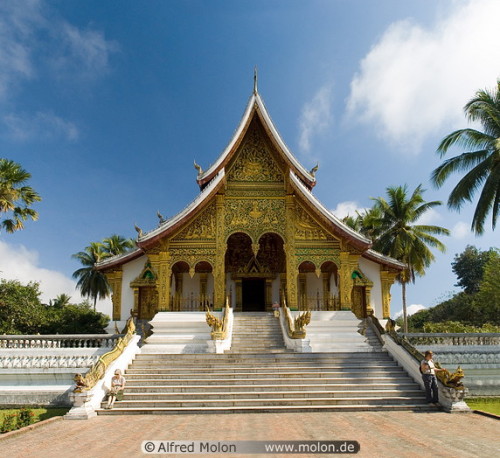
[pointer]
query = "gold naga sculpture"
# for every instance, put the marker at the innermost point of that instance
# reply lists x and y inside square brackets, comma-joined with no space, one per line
[451,379]
[98,370]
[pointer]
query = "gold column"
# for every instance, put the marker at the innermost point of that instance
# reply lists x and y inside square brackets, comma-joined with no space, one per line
[326,292]
[163,282]
[368,295]
[203,289]
[348,262]
[302,291]
[269,293]
[115,278]
[219,269]
[135,311]
[289,247]
[239,296]
[387,280]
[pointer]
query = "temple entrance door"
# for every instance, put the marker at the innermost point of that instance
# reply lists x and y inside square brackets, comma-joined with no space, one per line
[253,294]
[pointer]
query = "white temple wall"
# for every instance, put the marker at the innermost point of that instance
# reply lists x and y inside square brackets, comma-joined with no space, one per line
[372,271]
[131,271]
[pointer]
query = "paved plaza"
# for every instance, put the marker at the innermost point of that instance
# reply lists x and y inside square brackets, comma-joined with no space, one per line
[380,434]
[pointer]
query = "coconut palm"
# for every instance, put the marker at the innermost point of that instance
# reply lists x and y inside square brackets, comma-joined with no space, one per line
[401,237]
[60,301]
[481,161]
[15,197]
[91,282]
[116,244]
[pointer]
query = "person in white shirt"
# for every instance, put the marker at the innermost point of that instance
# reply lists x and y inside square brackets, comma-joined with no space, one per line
[117,386]
[428,370]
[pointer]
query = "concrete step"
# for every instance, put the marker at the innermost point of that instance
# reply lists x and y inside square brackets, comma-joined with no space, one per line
[417,407]
[326,394]
[140,381]
[270,402]
[209,389]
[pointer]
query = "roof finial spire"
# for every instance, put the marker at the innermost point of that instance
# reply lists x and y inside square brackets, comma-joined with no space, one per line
[255,79]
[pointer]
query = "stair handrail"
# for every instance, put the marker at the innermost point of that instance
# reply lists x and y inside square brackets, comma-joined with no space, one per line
[447,378]
[98,370]
[296,328]
[219,325]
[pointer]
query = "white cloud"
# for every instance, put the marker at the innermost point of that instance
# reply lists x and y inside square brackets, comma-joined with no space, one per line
[347,208]
[316,117]
[410,310]
[82,53]
[41,125]
[460,230]
[415,80]
[431,216]
[18,263]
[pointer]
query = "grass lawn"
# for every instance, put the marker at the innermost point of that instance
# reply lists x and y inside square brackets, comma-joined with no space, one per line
[491,405]
[39,413]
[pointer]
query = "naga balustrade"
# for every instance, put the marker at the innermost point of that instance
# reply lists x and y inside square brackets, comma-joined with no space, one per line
[59,341]
[443,338]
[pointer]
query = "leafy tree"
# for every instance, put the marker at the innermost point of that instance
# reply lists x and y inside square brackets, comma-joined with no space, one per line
[91,282]
[21,311]
[76,319]
[482,164]
[15,196]
[60,301]
[468,266]
[401,237]
[487,305]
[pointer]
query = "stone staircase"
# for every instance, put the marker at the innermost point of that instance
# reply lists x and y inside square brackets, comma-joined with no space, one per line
[259,375]
[256,333]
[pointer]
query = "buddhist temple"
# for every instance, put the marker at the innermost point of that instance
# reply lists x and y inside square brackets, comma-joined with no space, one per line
[256,235]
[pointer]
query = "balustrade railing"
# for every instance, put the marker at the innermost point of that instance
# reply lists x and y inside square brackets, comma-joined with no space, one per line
[422,338]
[318,303]
[191,302]
[59,341]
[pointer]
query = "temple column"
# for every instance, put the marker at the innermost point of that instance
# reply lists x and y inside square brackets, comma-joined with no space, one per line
[387,280]
[135,311]
[239,297]
[269,293]
[289,247]
[368,295]
[163,282]
[326,292]
[115,278]
[219,269]
[348,262]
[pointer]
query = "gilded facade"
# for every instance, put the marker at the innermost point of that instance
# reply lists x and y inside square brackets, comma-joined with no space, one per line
[255,234]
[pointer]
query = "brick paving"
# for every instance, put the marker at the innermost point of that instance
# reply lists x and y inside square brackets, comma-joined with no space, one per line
[380,434]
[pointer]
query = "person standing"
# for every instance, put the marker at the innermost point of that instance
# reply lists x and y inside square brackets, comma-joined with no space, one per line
[428,370]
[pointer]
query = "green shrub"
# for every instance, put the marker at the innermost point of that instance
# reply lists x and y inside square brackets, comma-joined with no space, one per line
[26,417]
[9,423]
[458,327]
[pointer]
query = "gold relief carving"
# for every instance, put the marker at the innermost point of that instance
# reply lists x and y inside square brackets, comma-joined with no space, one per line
[254,161]
[203,227]
[387,279]
[250,192]
[306,228]
[148,302]
[254,216]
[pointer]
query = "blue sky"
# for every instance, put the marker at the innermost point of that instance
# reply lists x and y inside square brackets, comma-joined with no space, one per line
[107,104]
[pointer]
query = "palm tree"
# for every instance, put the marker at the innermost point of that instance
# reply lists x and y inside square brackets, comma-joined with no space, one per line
[116,244]
[60,301]
[91,282]
[15,197]
[402,238]
[482,164]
